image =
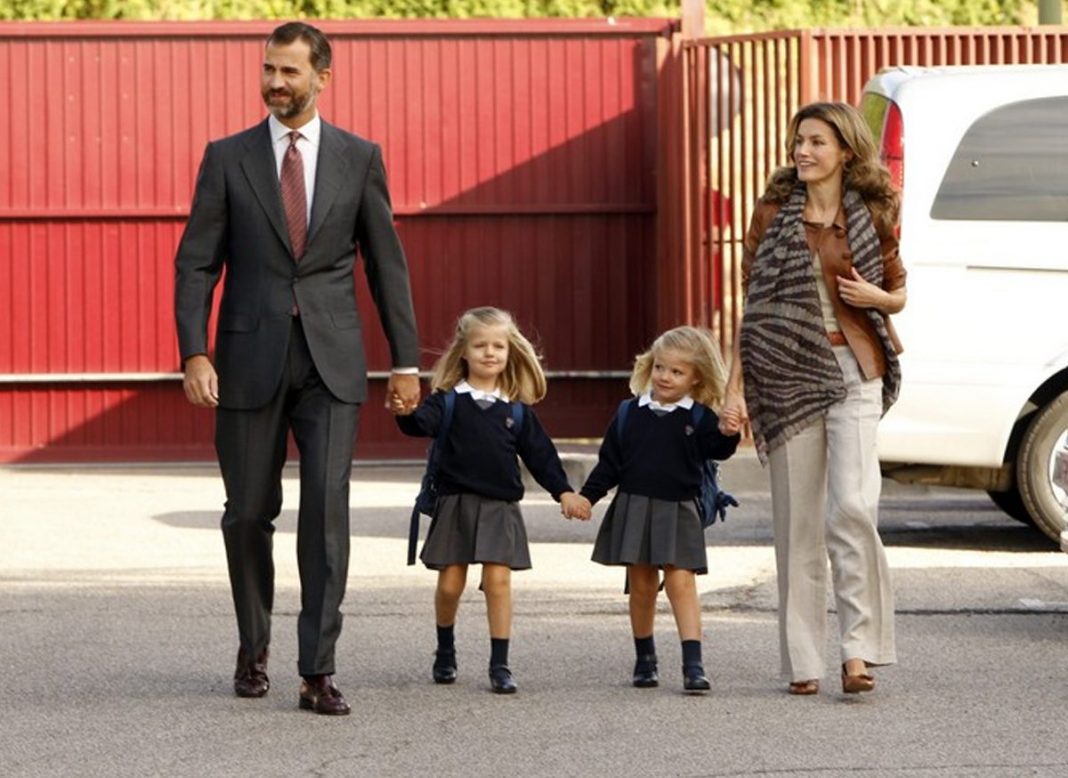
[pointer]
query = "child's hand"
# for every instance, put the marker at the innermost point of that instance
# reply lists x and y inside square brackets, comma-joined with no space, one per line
[734,414]
[398,407]
[730,422]
[575,506]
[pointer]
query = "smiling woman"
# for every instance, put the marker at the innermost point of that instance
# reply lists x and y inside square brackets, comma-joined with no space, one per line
[814,367]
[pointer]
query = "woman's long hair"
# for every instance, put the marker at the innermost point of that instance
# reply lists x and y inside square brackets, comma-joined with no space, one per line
[698,347]
[864,173]
[523,378]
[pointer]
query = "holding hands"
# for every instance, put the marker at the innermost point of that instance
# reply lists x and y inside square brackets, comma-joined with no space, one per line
[402,394]
[734,416]
[575,506]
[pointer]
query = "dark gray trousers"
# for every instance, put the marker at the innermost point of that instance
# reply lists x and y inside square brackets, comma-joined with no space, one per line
[251,446]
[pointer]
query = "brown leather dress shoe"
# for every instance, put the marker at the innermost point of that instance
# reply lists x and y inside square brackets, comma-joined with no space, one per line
[318,693]
[250,677]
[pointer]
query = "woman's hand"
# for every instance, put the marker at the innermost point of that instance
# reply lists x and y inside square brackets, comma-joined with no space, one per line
[734,416]
[855,291]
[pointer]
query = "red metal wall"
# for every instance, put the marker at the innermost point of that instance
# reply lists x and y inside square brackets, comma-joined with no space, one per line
[522,160]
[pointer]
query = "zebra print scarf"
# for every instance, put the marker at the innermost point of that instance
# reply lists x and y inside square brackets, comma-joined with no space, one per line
[791,374]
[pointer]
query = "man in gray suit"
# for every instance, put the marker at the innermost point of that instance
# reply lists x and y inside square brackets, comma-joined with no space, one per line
[283,206]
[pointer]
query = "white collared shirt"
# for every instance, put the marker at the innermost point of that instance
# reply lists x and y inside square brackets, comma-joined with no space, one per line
[307,143]
[647,399]
[477,394]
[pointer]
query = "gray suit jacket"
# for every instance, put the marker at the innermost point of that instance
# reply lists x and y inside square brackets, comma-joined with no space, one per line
[237,222]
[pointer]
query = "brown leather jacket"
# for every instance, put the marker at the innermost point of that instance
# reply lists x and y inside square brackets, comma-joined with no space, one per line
[836,259]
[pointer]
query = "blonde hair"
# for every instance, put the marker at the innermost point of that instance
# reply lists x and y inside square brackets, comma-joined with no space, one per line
[863,173]
[697,346]
[522,379]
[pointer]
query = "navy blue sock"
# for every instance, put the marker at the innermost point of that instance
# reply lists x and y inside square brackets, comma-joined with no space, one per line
[446,637]
[691,652]
[498,651]
[644,646]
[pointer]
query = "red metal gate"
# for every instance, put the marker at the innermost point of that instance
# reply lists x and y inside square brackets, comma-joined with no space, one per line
[595,177]
[522,159]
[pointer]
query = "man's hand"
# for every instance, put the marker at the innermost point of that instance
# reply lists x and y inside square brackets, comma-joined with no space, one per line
[200,382]
[402,393]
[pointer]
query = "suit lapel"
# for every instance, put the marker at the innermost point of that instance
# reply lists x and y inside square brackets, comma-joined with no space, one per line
[260,168]
[330,171]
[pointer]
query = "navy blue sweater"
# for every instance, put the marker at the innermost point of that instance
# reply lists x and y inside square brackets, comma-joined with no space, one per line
[660,456]
[479,455]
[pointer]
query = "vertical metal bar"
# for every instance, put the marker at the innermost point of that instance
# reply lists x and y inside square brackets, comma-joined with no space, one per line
[807,67]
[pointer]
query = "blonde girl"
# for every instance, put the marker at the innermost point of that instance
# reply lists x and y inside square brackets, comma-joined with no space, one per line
[652,524]
[490,366]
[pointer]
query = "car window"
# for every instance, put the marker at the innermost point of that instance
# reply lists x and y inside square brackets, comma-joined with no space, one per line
[1011,164]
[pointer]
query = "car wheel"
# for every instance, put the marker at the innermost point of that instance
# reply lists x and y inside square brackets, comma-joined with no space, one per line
[1046,502]
[1012,504]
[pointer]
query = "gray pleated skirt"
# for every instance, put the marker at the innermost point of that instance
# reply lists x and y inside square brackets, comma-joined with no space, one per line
[469,529]
[647,531]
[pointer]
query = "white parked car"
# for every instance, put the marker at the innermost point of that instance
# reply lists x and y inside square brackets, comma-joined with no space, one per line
[1060,481]
[981,155]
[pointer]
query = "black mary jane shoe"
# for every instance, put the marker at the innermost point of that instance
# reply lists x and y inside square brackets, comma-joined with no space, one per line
[645,675]
[445,665]
[501,680]
[694,679]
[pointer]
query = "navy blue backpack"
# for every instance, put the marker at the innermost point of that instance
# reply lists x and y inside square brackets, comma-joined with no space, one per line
[427,499]
[712,502]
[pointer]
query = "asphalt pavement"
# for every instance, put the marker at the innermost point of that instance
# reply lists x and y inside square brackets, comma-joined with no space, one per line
[117,643]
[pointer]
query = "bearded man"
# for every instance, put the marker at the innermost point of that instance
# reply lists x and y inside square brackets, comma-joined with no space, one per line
[283,207]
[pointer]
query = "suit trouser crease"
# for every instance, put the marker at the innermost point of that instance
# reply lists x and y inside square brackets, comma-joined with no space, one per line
[251,445]
[825,484]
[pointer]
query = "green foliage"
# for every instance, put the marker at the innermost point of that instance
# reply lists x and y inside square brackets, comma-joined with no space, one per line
[756,15]
[721,15]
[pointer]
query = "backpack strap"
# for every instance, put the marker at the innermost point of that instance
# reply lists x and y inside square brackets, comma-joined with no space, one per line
[517,417]
[712,502]
[432,460]
[621,419]
[446,419]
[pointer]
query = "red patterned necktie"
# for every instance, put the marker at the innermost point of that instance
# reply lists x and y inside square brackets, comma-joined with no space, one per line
[293,198]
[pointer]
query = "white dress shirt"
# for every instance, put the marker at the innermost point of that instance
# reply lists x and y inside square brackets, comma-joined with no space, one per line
[647,399]
[477,394]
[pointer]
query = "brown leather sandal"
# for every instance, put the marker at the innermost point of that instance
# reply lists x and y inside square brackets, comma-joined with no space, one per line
[811,686]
